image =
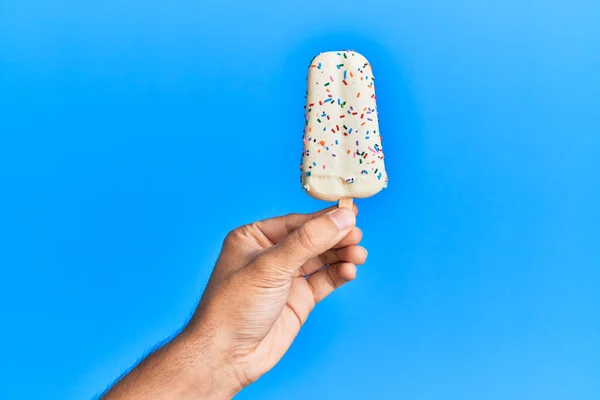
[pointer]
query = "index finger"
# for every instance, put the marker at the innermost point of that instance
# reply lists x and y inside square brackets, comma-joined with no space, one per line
[277,228]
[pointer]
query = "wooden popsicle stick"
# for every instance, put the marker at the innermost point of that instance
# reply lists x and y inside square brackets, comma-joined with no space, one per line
[346,203]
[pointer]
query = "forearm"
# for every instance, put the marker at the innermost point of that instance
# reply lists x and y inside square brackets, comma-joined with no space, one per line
[185,368]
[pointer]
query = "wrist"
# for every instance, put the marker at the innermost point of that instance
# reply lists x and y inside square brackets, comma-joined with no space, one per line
[189,367]
[208,373]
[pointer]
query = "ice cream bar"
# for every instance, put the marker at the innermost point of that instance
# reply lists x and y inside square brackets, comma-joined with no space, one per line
[343,156]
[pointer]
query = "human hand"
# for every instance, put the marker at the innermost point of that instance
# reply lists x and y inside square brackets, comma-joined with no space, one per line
[258,296]
[268,278]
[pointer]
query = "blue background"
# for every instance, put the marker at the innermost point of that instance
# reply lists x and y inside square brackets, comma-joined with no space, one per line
[130,134]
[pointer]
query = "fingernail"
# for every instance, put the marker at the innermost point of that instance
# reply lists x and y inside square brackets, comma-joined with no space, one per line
[343,218]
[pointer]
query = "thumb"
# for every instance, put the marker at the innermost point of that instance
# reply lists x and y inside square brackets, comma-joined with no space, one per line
[309,240]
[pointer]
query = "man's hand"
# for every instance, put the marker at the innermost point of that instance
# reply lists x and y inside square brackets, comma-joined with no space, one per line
[267,280]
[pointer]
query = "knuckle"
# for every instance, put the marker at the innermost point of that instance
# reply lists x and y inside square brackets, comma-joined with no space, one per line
[239,233]
[232,234]
[330,276]
[230,238]
[332,256]
[306,238]
[251,228]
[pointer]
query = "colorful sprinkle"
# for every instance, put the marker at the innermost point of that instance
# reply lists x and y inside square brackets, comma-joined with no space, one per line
[330,124]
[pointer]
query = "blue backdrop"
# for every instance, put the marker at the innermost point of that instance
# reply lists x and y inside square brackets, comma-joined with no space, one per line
[130,133]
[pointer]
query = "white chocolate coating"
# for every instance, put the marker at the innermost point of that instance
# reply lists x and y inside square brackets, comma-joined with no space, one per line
[342,155]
